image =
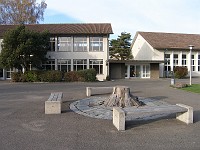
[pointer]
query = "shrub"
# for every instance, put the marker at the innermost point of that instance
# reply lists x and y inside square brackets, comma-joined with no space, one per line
[16,76]
[32,76]
[88,75]
[51,76]
[71,76]
[180,72]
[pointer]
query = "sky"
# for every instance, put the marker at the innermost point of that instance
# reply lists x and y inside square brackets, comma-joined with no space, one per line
[172,16]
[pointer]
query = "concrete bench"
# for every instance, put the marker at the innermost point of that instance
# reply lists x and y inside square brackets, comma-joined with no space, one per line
[98,90]
[53,104]
[183,112]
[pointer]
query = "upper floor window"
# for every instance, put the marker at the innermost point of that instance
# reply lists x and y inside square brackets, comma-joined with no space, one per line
[167,59]
[193,63]
[198,62]
[52,44]
[64,43]
[96,43]
[175,59]
[80,44]
[184,60]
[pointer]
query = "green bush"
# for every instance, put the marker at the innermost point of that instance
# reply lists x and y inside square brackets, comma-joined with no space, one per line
[32,76]
[180,72]
[88,75]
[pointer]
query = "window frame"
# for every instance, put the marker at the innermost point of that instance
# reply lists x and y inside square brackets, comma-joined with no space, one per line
[93,44]
[99,65]
[67,43]
[80,45]
[82,65]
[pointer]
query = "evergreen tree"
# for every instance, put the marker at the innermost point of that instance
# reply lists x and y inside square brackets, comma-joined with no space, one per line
[120,47]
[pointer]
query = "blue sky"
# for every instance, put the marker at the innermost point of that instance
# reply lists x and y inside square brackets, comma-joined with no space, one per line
[174,16]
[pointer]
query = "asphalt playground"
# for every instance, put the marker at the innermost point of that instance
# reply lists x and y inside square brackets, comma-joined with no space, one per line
[24,126]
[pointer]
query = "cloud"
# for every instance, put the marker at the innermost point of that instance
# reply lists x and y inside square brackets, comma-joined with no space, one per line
[134,15]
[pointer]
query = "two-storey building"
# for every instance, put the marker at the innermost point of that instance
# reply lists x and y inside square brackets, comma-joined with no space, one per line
[73,47]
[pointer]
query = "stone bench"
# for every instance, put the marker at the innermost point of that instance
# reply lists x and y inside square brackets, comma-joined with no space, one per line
[183,112]
[98,90]
[53,104]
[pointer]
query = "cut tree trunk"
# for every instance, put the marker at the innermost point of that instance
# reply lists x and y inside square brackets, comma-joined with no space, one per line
[121,97]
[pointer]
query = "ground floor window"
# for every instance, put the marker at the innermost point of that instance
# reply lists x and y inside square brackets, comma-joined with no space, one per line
[8,73]
[97,64]
[49,65]
[64,65]
[140,71]
[146,71]
[1,73]
[79,64]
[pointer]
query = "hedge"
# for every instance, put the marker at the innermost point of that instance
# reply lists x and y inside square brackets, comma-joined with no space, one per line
[88,75]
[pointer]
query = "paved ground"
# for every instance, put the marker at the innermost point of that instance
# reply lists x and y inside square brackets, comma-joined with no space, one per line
[23,124]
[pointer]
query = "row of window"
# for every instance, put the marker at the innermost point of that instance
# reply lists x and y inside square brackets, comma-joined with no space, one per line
[183,63]
[66,65]
[76,44]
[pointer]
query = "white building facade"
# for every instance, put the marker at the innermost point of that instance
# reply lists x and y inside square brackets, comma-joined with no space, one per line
[74,47]
[171,48]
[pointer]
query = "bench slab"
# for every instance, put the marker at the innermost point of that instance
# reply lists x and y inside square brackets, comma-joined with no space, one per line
[183,112]
[98,90]
[54,104]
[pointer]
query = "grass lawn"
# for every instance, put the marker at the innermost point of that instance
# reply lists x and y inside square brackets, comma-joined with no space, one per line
[193,88]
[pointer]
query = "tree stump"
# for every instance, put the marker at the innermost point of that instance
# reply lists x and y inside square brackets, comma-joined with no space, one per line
[121,97]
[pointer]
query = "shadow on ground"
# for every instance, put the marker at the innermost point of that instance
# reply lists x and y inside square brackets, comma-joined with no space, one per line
[136,123]
[196,116]
[158,98]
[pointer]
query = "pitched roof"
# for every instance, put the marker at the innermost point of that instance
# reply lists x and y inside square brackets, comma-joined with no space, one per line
[72,29]
[160,40]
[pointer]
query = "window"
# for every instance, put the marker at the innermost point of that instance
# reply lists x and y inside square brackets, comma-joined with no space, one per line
[79,64]
[52,44]
[198,62]
[193,63]
[184,60]
[64,65]
[96,44]
[1,73]
[167,65]
[9,72]
[80,44]
[64,44]
[175,59]
[97,64]
[146,71]
[50,65]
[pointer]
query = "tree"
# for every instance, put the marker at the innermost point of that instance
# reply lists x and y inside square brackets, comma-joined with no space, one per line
[120,47]
[22,47]
[21,11]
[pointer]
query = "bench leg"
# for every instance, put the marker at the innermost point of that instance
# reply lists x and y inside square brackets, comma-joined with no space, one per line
[88,91]
[53,107]
[187,116]
[118,118]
